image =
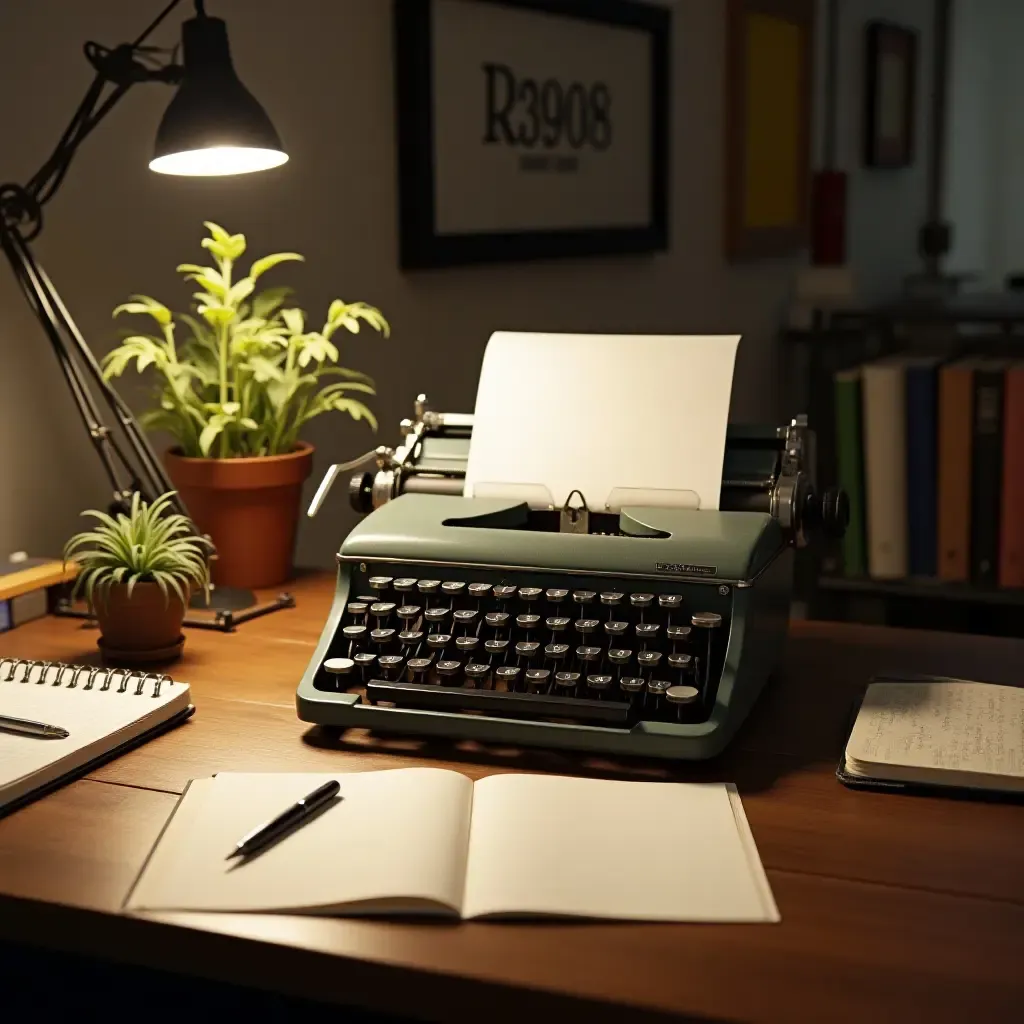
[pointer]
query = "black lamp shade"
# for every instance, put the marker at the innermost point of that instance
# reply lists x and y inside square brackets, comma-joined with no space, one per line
[214,125]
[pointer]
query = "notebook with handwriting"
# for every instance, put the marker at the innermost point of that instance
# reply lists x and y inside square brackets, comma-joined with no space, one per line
[103,710]
[937,732]
[430,841]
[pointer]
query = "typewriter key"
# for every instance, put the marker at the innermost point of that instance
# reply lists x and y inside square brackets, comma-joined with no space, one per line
[556,652]
[466,644]
[358,610]
[538,680]
[655,692]
[409,612]
[504,593]
[380,638]
[588,654]
[583,597]
[354,633]
[599,685]
[670,601]
[632,687]
[419,667]
[681,699]
[557,623]
[453,588]
[527,649]
[648,659]
[642,602]
[405,584]
[679,635]
[337,668]
[496,648]
[612,598]
[707,622]
[683,663]
[619,655]
[556,595]
[527,622]
[529,593]
[479,674]
[585,626]
[449,671]
[478,591]
[379,583]
[616,627]
[436,616]
[566,683]
[496,620]
[507,676]
[410,639]
[390,665]
[647,632]
[380,610]
[428,586]
[438,641]
[363,661]
[465,617]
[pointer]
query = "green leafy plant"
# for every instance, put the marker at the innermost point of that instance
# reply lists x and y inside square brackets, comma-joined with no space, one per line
[148,545]
[250,373]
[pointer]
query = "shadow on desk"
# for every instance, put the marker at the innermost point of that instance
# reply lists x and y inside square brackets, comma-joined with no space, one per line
[59,984]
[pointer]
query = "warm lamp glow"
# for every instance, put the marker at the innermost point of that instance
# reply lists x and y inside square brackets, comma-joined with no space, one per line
[218,160]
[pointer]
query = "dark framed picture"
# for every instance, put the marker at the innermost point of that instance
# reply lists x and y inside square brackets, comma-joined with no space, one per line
[890,77]
[769,81]
[530,129]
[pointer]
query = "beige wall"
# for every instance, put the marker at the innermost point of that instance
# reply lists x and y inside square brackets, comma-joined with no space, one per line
[324,72]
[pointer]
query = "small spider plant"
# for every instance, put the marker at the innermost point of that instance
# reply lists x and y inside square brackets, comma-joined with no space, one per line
[148,545]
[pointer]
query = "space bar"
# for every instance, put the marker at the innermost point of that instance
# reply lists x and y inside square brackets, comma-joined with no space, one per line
[519,705]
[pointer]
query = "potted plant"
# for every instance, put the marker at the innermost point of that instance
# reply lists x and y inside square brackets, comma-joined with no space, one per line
[138,572]
[237,379]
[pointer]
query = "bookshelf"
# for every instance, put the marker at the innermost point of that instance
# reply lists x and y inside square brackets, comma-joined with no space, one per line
[960,325]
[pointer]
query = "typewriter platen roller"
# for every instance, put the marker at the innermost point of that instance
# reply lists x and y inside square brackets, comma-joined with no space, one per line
[646,631]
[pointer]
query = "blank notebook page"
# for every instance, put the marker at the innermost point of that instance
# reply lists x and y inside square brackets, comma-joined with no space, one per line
[98,720]
[552,845]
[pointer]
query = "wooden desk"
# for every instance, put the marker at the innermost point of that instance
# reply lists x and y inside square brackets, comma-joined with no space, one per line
[893,908]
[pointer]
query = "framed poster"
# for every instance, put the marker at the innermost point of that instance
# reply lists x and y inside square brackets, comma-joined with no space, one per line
[769,79]
[530,129]
[890,76]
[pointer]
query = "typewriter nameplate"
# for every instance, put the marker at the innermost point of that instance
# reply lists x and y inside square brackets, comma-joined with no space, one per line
[686,569]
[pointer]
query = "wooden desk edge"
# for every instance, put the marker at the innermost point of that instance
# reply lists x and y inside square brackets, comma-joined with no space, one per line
[187,950]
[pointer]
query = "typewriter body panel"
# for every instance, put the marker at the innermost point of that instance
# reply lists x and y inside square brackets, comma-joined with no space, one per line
[638,631]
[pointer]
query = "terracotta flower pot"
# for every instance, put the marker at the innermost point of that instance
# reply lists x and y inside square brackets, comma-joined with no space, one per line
[250,509]
[142,628]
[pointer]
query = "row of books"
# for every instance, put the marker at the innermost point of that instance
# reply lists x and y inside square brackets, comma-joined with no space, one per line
[931,454]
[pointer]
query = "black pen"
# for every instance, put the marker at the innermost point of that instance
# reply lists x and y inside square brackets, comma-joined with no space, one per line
[27,728]
[297,813]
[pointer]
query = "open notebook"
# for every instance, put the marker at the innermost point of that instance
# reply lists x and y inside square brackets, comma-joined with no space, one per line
[429,841]
[103,710]
[937,732]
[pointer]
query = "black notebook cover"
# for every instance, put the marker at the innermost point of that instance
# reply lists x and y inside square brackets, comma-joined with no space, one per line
[987,471]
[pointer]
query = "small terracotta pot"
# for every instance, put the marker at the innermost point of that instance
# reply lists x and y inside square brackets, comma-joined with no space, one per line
[250,509]
[141,628]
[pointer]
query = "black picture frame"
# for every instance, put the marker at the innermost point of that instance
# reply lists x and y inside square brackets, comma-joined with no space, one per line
[883,150]
[420,245]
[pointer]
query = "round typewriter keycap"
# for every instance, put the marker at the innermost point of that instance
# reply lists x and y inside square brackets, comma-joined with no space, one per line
[339,666]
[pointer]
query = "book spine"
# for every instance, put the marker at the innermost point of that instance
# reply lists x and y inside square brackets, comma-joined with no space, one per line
[1011,533]
[922,535]
[986,475]
[885,469]
[850,470]
[956,397]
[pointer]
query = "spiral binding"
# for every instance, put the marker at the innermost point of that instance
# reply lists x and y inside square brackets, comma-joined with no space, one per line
[52,673]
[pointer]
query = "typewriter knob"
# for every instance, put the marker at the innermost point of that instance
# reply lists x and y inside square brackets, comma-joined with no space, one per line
[360,492]
[828,512]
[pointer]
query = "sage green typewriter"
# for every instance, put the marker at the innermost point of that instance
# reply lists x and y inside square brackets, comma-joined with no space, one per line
[649,631]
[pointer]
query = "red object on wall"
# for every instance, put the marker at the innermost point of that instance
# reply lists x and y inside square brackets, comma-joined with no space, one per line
[828,219]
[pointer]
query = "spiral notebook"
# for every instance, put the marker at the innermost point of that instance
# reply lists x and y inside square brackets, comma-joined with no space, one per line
[105,711]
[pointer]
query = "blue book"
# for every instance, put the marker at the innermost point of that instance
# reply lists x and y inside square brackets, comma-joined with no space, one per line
[922,465]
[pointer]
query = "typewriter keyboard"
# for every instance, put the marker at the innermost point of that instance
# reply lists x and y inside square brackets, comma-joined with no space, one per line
[603,657]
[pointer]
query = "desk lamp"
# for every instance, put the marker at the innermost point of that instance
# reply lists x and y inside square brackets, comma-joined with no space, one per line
[213,126]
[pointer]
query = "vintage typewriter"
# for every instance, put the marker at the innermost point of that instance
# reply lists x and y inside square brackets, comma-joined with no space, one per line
[649,631]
